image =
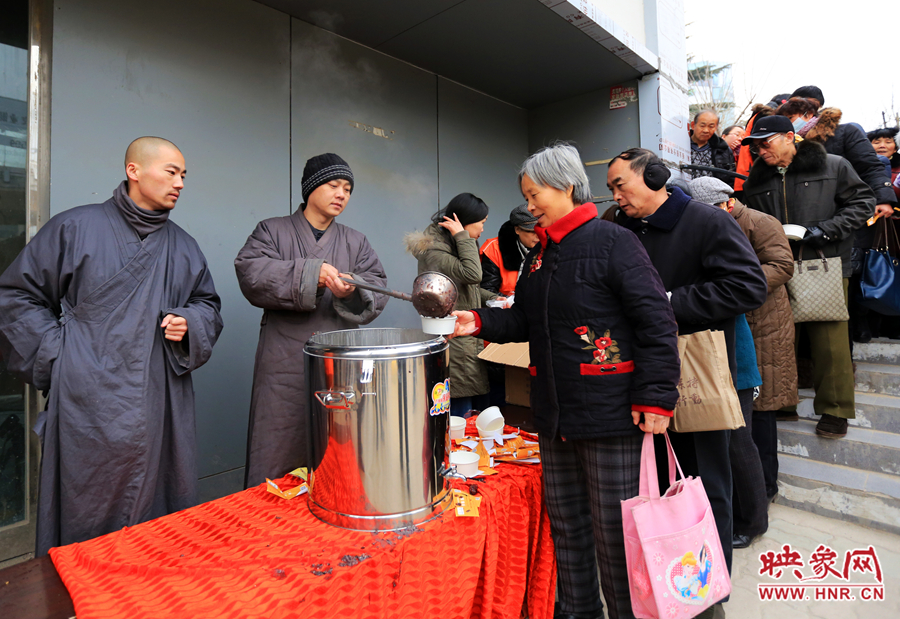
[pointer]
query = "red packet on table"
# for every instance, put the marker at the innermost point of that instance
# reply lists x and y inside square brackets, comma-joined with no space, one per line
[486,461]
[465,504]
[302,473]
[528,436]
[273,488]
[485,472]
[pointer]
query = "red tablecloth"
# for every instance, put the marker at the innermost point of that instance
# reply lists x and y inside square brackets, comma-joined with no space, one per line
[253,554]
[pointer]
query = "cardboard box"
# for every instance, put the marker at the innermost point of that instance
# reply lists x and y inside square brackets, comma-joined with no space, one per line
[516,358]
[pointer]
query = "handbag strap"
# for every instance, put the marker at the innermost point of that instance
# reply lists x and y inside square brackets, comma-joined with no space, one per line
[673,461]
[819,253]
[649,480]
[891,240]
[880,241]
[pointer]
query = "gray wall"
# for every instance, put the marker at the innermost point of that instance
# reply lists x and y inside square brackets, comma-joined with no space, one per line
[343,92]
[598,132]
[483,142]
[442,139]
[213,76]
[249,94]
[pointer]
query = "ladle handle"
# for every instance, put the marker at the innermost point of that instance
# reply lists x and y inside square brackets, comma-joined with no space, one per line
[367,286]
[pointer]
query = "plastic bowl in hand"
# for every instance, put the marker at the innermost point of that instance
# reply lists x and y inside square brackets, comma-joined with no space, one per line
[438,326]
[794,232]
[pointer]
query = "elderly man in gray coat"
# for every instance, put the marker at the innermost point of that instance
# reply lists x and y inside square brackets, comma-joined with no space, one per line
[290,267]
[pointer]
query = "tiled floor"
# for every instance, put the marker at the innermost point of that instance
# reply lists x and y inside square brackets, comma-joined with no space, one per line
[805,532]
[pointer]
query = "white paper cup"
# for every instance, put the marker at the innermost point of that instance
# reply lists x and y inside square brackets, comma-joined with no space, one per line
[490,422]
[466,462]
[457,428]
[794,232]
[438,326]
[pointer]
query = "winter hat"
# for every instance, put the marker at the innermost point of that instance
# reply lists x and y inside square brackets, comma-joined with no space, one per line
[322,169]
[680,183]
[778,100]
[710,190]
[766,127]
[887,132]
[810,92]
[521,218]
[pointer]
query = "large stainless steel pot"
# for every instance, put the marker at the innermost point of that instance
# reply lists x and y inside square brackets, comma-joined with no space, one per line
[380,408]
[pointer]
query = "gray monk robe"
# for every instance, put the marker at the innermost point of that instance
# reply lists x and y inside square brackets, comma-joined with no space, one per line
[278,270]
[80,309]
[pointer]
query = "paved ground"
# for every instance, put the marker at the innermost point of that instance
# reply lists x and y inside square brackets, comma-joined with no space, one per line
[805,532]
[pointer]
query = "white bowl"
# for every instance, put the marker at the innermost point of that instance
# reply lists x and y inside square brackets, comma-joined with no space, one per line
[438,326]
[490,422]
[457,428]
[466,462]
[794,232]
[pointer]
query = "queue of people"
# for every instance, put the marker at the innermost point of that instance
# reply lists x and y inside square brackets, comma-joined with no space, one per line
[111,325]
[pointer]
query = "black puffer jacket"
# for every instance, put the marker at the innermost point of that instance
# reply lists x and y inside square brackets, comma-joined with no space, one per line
[705,261]
[722,158]
[818,189]
[850,142]
[600,330]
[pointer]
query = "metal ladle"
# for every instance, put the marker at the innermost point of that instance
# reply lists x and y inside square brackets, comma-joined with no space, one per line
[434,294]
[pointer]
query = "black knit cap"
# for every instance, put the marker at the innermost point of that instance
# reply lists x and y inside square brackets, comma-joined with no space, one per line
[321,169]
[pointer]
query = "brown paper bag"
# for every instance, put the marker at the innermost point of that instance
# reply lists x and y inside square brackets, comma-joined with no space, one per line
[707,399]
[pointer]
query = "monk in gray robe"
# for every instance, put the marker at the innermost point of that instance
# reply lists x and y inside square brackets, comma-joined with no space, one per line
[110,308]
[290,268]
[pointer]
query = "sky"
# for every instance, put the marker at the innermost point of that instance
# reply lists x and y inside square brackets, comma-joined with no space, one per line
[846,48]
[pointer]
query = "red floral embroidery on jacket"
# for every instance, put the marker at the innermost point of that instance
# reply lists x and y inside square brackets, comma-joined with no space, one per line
[605,349]
[536,262]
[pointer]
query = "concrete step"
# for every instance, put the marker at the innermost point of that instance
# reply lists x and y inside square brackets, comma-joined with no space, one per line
[862,449]
[879,350]
[873,410]
[878,378]
[863,497]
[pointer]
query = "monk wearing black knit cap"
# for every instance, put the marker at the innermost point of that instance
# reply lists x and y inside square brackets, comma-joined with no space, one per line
[290,267]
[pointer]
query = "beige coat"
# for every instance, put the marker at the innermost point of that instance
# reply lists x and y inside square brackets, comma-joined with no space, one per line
[772,324]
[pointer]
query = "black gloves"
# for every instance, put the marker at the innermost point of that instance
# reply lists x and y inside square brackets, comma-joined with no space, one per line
[816,237]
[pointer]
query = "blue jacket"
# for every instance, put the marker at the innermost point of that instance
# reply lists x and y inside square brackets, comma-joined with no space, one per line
[745,351]
[600,329]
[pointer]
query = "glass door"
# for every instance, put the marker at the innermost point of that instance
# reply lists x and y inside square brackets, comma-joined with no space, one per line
[16,445]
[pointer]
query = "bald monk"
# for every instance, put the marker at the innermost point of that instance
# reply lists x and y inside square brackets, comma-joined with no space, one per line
[109,309]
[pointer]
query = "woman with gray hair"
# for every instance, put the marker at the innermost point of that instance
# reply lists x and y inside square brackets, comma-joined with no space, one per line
[604,367]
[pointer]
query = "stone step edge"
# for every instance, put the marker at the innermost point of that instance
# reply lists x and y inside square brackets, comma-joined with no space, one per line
[830,501]
[877,368]
[855,434]
[862,397]
[869,509]
[806,411]
[872,483]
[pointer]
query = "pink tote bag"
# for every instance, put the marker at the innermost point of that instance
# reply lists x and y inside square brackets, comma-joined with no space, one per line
[676,568]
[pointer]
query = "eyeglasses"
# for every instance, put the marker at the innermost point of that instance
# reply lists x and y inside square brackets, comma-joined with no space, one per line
[764,144]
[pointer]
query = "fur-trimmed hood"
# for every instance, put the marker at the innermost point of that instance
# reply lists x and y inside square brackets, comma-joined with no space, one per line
[761,110]
[417,243]
[810,157]
[829,119]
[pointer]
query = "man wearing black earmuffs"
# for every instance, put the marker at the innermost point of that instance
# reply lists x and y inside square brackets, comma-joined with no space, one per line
[711,275]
